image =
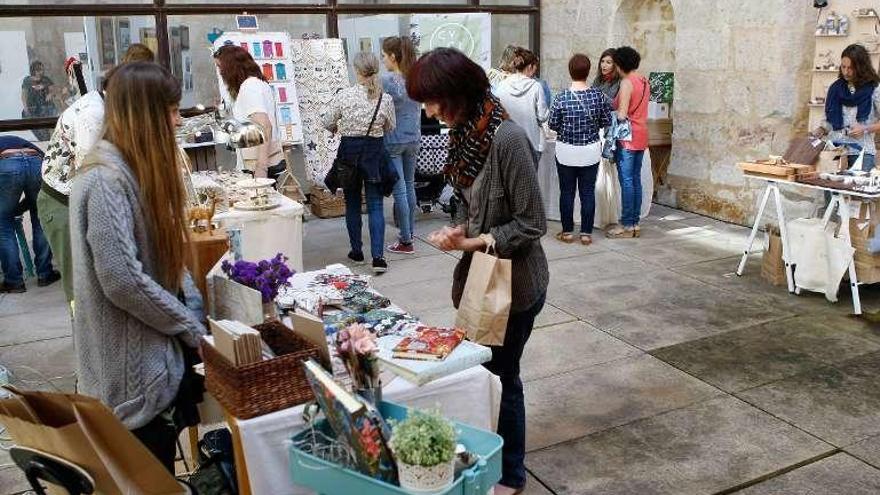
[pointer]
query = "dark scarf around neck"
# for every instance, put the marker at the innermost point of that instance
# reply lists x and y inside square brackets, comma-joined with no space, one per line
[470,143]
[839,96]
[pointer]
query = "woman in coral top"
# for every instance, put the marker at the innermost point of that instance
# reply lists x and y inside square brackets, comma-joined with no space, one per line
[631,104]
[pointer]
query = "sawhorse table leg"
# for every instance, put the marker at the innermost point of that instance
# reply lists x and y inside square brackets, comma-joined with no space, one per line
[772,188]
[840,202]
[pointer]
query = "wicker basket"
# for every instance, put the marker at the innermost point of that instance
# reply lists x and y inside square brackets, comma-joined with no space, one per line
[325,204]
[264,387]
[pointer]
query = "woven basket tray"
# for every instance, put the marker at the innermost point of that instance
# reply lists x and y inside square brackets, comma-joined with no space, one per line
[264,387]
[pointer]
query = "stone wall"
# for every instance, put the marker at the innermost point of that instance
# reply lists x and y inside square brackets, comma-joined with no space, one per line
[742,80]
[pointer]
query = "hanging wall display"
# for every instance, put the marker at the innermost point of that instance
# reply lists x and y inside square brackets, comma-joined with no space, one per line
[270,51]
[319,70]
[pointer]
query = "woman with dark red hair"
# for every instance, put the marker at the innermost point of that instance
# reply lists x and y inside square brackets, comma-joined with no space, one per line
[491,167]
[254,100]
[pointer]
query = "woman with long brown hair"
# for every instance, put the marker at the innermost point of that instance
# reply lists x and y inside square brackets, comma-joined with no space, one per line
[402,144]
[128,232]
[607,78]
[852,107]
[252,99]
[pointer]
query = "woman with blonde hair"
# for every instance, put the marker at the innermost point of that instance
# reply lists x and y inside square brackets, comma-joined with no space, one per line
[128,230]
[362,114]
[402,144]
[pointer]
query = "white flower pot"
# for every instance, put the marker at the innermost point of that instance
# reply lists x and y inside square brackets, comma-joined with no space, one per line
[424,480]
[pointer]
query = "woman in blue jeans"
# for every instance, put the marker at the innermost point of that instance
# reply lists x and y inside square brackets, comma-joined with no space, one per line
[632,105]
[362,114]
[576,115]
[398,54]
[21,174]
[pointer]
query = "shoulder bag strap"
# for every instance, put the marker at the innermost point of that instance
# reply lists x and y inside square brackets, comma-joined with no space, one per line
[375,113]
[644,90]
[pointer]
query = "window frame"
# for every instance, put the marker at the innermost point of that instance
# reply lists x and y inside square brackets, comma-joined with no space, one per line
[332,9]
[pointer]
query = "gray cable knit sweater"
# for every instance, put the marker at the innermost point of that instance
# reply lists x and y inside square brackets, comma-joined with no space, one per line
[125,324]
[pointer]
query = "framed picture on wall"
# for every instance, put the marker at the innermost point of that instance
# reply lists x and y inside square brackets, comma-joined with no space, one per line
[148,37]
[123,36]
[184,37]
[106,43]
[366,44]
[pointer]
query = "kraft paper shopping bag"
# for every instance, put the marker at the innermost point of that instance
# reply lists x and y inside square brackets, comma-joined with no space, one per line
[485,301]
[85,432]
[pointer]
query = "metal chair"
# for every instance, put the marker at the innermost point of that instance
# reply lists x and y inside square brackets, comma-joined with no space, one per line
[39,466]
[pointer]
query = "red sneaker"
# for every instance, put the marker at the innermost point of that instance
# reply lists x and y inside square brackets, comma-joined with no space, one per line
[401,248]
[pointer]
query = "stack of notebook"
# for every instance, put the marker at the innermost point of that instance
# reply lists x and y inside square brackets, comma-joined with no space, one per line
[239,343]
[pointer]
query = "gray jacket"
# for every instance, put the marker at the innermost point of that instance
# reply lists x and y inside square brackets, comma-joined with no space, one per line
[512,211]
[523,98]
[127,328]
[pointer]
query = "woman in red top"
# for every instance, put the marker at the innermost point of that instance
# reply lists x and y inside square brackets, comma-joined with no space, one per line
[631,104]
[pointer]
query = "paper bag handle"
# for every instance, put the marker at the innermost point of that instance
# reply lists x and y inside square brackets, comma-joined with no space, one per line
[490,243]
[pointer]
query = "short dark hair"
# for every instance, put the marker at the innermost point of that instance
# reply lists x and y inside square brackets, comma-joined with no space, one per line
[627,59]
[579,67]
[35,66]
[449,78]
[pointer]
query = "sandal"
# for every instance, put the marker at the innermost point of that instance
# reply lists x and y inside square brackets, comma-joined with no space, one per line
[586,239]
[621,233]
[565,237]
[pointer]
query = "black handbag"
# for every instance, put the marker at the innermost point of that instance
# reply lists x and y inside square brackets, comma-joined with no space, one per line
[344,173]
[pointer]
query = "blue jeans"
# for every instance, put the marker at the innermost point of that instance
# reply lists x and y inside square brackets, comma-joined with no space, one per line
[375,215]
[512,416]
[629,172]
[584,180]
[21,175]
[404,157]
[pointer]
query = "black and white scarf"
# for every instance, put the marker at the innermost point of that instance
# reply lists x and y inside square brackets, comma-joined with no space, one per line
[469,143]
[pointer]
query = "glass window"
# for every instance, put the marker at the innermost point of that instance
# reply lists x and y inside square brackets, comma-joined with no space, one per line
[192,53]
[409,2]
[471,33]
[35,51]
[509,29]
[56,2]
[510,3]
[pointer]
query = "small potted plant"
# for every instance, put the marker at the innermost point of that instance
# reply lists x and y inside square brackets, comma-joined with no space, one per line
[424,445]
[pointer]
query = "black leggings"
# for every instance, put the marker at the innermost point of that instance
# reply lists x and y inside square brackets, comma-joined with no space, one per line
[160,438]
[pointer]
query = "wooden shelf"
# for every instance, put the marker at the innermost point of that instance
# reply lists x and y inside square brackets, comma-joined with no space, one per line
[866,16]
[832,35]
[826,71]
[817,105]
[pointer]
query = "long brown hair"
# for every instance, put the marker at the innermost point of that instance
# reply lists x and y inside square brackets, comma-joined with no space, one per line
[403,50]
[139,98]
[236,65]
[614,75]
[861,61]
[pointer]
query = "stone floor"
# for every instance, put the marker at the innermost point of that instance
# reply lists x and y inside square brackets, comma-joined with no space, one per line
[653,370]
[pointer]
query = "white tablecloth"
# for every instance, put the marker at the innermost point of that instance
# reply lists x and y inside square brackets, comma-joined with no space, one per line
[607,189]
[471,397]
[266,233]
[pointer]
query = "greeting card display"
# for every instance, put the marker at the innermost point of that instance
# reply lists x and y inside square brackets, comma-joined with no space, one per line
[271,52]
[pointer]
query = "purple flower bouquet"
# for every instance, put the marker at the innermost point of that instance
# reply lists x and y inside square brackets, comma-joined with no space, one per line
[266,276]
